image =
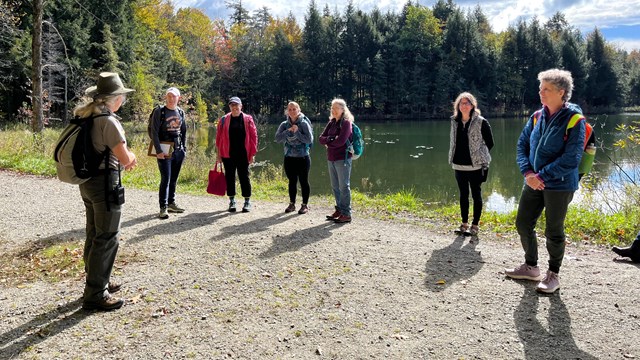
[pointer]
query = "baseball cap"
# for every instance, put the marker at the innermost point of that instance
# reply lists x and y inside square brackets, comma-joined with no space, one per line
[174,91]
[236,100]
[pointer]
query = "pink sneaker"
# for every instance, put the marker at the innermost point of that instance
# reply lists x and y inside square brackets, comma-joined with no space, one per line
[549,284]
[524,272]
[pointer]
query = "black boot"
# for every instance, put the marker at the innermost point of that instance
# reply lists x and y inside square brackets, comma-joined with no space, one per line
[632,251]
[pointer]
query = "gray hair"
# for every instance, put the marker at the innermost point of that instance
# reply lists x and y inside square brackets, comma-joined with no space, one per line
[346,113]
[471,99]
[95,106]
[561,79]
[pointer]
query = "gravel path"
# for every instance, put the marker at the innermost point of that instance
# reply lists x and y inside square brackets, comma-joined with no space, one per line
[207,284]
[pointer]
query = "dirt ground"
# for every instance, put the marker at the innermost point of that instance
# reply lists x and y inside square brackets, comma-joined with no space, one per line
[208,284]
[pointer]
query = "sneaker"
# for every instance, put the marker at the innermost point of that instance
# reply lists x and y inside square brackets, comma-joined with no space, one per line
[114,287]
[549,284]
[524,272]
[334,216]
[107,303]
[232,205]
[247,206]
[163,213]
[462,230]
[290,208]
[175,208]
[303,209]
[342,219]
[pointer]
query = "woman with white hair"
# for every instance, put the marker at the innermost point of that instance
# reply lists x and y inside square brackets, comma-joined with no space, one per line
[548,154]
[335,137]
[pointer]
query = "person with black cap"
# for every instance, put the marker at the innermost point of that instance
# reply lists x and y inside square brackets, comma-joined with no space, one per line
[168,125]
[237,144]
[103,219]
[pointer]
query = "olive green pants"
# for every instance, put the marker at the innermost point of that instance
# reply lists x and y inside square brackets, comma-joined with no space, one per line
[555,204]
[101,244]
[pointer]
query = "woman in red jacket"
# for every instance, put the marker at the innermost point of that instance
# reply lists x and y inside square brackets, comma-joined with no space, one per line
[237,144]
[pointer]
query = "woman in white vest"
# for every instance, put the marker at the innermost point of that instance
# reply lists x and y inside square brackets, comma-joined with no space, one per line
[470,141]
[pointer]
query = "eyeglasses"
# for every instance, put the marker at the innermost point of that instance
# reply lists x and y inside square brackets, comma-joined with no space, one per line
[124,101]
[465,103]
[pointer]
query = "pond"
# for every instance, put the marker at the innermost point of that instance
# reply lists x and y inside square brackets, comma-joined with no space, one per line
[412,156]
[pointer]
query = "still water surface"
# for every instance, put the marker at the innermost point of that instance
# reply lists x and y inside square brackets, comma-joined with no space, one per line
[412,155]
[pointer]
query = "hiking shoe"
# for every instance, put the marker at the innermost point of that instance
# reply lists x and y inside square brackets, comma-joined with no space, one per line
[462,230]
[549,284]
[175,208]
[232,206]
[524,272]
[290,208]
[632,252]
[163,213]
[303,209]
[474,230]
[114,287]
[247,206]
[107,303]
[342,219]
[334,216]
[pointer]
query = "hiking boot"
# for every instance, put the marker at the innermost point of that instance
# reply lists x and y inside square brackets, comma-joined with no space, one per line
[334,216]
[107,303]
[343,219]
[290,208]
[247,206]
[114,287]
[175,208]
[303,209]
[549,284]
[163,213]
[524,272]
[632,252]
[232,205]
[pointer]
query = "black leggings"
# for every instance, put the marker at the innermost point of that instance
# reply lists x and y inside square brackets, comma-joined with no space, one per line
[297,168]
[231,165]
[473,180]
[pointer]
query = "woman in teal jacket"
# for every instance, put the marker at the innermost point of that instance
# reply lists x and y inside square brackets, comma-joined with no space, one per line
[548,154]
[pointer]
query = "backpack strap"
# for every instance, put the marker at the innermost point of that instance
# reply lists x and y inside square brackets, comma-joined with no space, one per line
[575,120]
[536,116]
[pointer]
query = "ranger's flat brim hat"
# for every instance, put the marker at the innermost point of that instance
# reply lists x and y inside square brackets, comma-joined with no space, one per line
[108,84]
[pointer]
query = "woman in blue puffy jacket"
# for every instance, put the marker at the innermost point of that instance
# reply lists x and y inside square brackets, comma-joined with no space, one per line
[548,154]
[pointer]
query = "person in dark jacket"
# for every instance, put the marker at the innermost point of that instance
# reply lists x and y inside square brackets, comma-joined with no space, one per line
[297,135]
[548,154]
[335,137]
[470,141]
[632,252]
[169,126]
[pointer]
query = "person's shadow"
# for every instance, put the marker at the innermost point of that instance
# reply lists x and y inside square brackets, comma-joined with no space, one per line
[298,239]
[250,227]
[41,328]
[452,263]
[180,224]
[539,342]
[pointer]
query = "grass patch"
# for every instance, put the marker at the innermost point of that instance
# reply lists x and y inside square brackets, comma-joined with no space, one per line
[50,261]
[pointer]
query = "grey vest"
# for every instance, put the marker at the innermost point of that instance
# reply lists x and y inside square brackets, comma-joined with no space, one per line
[477,148]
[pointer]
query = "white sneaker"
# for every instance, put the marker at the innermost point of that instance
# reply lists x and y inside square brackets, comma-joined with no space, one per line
[549,284]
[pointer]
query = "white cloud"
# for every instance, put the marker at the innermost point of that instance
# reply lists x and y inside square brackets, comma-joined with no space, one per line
[625,44]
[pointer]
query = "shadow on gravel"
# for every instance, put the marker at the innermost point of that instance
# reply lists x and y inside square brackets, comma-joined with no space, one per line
[250,227]
[453,263]
[552,342]
[298,239]
[41,328]
[177,224]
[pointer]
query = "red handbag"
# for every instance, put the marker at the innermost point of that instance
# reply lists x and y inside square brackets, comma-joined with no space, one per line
[217,183]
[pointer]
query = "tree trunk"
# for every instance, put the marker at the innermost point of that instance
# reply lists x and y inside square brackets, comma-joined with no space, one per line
[36,63]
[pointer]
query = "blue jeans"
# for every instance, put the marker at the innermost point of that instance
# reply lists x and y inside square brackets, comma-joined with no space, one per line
[169,171]
[340,175]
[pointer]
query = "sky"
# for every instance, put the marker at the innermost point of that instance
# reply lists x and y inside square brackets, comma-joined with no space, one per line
[618,20]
